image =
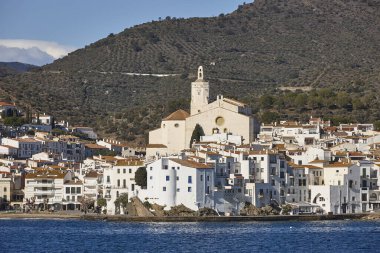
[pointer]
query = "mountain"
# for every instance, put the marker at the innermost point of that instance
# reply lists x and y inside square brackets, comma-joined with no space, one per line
[254,50]
[31,55]
[8,68]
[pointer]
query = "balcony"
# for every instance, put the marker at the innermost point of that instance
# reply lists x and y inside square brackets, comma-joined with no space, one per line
[44,192]
[40,184]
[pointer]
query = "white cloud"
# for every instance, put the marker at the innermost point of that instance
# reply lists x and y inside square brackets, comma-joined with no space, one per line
[29,47]
[31,55]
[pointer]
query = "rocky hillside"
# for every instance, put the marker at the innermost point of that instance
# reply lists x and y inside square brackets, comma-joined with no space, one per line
[250,52]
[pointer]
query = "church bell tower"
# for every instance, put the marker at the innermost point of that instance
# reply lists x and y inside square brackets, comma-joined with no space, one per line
[199,93]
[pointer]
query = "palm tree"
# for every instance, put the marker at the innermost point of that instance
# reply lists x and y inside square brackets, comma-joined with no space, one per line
[121,201]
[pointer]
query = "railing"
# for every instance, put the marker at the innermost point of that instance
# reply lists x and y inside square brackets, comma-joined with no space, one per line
[37,184]
[43,192]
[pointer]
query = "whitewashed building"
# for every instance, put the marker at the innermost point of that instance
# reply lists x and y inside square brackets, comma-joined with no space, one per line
[173,181]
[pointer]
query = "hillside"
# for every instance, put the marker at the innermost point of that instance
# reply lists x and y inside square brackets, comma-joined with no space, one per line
[9,68]
[248,53]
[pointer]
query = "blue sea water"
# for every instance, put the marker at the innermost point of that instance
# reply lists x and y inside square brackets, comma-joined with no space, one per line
[34,235]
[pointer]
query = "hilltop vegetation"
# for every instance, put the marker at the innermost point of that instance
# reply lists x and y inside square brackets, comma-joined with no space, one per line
[247,54]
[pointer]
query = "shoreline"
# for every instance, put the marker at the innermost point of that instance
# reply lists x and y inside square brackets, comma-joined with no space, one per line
[121,218]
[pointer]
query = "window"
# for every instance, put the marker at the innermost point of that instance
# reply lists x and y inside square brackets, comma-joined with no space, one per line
[165,167]
[282,174]
[176,125]
[262,158]
[208,178]
[208,190]
[108,179]
[188,189]
[151,168]
[189,179]
[117,194]
[68,197]
[124,183]
[178,190]
[201,177]
[150,177]
[177,178]
[5,189]
[118,183]
[72,190]
[67,190]
[273,182]
[164,189]
[167,178]
[337,171]
[79,190]
[118,171]
[353,198]
[130,171]
[124,171]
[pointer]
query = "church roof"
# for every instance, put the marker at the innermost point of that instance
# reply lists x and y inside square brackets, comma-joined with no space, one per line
[178,115]
[234,102]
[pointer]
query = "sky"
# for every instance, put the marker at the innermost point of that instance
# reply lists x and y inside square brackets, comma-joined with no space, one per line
[39,31]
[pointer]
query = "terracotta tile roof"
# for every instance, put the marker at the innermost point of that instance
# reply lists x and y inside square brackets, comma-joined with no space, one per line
[78,182]
[178,115]
[318,161]
[92,174]
[46,174]
[313,167]
[191,164]
[338,164]
[156,146]
[6,104]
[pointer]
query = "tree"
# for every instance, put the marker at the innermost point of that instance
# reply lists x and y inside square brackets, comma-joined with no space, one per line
[122,201]
[269,117]
[197,133]
[86,204]
[102,202]
[266,101]
[141,177]
[376,125]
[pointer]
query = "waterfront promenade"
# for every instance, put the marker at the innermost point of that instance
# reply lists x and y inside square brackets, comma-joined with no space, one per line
[122,218]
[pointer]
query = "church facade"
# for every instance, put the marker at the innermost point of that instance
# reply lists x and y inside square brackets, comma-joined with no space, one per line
[221,116]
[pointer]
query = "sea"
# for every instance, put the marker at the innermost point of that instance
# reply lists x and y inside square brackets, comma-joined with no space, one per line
[39,235]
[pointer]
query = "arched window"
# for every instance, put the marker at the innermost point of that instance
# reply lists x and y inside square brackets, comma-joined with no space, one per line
[117,194]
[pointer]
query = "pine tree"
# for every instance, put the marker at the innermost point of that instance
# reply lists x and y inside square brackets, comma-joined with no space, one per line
[197,133]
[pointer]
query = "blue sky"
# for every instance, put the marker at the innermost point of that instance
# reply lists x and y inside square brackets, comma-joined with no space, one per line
[76,23]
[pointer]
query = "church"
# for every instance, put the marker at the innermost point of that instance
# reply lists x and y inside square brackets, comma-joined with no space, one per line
[224,115]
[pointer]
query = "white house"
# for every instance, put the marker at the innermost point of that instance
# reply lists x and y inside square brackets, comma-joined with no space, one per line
[118,179]
[173,181]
